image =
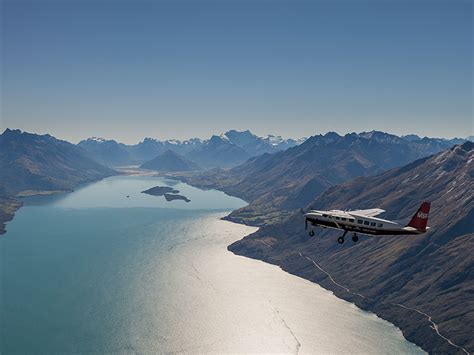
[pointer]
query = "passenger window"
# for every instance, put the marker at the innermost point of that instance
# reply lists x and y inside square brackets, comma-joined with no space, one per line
[351,220]
[360,221]
[343,218]
[366,223]
[373,224]
[325,215]
[337,218]
[380,225]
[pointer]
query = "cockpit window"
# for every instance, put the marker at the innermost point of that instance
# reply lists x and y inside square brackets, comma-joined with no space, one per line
[373,224]
[360,221]
[380,225]
[337,218]
[343,218]
[351,220]
[325,215]
[366,223]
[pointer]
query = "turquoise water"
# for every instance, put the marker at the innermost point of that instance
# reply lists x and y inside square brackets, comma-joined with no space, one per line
[94,271]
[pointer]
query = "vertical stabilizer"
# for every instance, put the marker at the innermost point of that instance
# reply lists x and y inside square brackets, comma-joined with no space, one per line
[420,220]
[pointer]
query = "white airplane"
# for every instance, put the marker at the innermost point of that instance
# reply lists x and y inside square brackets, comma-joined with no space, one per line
[365,222]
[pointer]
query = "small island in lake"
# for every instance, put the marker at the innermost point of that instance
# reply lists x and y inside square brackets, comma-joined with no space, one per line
[170,197]
[169,193]
[160,191]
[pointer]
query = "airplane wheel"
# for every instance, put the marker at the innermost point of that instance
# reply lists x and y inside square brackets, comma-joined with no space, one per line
[355,238]
[311,233]
[340,240]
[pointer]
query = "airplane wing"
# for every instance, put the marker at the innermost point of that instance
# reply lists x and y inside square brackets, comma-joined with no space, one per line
[367,213]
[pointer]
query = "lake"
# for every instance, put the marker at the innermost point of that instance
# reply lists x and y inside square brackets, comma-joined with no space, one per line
[95,271]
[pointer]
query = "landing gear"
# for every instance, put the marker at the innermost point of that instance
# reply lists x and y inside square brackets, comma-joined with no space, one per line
[340,240]
[311,232]
[355,238]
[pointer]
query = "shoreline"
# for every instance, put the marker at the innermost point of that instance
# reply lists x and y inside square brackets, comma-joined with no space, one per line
[333,286]
[268,314]
[382,309]
[30,193]
[9,205]
[360,301]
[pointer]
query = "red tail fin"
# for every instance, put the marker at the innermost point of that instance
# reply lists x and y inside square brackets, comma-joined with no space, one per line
[420,219]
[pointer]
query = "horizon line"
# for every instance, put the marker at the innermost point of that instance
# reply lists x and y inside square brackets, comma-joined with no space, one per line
[223,133]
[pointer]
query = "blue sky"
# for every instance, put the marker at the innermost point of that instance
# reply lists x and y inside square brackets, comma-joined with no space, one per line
[179,69]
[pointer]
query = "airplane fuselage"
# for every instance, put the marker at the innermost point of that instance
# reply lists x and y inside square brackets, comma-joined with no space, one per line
[355,223]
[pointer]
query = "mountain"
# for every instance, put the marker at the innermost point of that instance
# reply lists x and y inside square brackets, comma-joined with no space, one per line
[411,137]
[277,184]
[255,145]
[170,161]
[146,150]
[42,162]
[404,279]
[112,153]
[150,148]
[218,151]
[428,145]
[278,143]
[31,163]
[107,152]
[234,147]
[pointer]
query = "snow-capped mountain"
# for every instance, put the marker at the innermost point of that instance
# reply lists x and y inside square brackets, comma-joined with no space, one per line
[234,147]
[225,150]
[255,145]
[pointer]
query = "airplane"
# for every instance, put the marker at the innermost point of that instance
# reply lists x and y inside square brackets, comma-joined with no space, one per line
[365,222]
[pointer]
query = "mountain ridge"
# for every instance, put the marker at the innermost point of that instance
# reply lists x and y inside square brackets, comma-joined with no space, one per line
[279,183]
[432,273]
[31,163]
[228,149]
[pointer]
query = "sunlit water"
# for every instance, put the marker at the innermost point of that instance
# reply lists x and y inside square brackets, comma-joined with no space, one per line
[95,271]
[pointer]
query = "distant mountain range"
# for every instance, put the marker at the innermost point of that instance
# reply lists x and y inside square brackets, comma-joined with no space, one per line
[170,161]
[227,150]
[404,279]
[218,151]
[107,152]
[31,163]
[277,184]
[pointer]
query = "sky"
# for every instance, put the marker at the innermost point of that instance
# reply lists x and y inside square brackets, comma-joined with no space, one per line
[179,69]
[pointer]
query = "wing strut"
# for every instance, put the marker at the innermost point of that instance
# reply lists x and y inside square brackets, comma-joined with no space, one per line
[334,220]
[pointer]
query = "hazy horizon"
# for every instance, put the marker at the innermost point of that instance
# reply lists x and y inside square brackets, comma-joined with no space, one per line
[216,134]
[126,70]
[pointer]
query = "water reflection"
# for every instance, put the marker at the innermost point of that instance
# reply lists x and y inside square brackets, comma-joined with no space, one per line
[95,271]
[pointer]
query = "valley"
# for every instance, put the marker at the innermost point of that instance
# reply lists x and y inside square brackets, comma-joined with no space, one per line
[196,177]
[406,280]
